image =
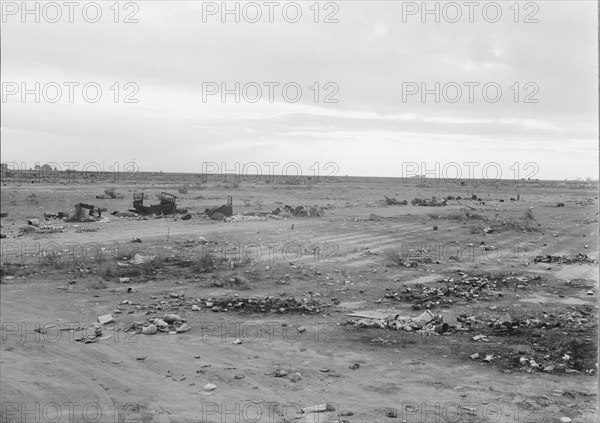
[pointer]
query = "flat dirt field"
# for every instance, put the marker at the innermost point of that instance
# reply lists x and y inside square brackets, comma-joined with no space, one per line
[262,302]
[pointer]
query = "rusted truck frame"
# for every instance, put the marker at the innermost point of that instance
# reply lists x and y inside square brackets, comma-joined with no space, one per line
[167,205]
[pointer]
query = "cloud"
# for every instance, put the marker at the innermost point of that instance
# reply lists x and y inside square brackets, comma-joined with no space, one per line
[367,59]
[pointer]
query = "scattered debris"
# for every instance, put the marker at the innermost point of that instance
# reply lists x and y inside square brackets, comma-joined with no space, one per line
[106,319]
[465,288]
[579,258]
[433,202]
[171,318]
[318,408]
[86,212]
[394,202]
[150,330]
[391,413]
[209,387]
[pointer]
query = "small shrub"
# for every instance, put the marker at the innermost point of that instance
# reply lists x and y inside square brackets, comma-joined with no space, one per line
[106,271]
[207,263]
[393,256]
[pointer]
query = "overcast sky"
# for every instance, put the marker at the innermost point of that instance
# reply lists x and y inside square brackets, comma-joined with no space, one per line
[372,57]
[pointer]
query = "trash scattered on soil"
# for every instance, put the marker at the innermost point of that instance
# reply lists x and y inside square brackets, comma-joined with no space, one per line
[464,289]
[579,258]
[433,202]
[393,202]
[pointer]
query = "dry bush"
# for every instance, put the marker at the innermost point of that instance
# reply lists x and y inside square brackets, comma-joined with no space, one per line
[106,271]
[207,263]
[98,284]
[393,256]
[239,282]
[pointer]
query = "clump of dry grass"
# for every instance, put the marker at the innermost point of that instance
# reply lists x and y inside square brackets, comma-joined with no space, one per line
[393,255]
[98,284]
[106,271]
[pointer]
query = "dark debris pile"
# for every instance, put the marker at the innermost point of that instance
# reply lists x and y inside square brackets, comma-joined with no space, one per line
[544,341]
[579,258]
[270,304]
[465,288]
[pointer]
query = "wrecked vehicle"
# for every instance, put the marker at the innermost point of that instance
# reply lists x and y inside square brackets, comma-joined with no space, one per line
[84,212]
[167,205]
[220,213]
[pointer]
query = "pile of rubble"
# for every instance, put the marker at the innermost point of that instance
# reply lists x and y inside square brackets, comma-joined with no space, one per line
[56,215]
[245,218]
[40,229]
[426,322]
[579,258]
[170,324]
[433,202]
[266,305]
[270,304]
[299,211]
[556,341]
[553,347]
[393,202]
[466,287]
